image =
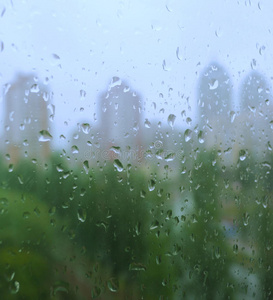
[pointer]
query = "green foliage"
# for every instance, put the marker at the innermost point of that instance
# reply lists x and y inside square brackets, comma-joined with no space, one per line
[66,234]
[207,253]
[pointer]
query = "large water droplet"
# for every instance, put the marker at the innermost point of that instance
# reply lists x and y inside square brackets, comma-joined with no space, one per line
[115,149]
[171,119]
[86,166]
[44,136]
[51,108]
[265,201]
[138,228]
[113,284]
[232,115]
[10,169]
[213,84]
[147,123]
[159,154]
[85,128]
[187,135]
[151,185]
[82,94]
[218,32]
[169,214]
[235,248]
[55,56]
[14,288]
[262,50]
[137,267]
[81,214]
[74,149]
[102,224]
[126,89]
[252,108]
[246,218]
[118,165]
[242,155]
[165,66]
[266,164]
[60,286]
[162,111]
[9,275]
[201,137]
[259,89]
[154,225]
[59,168]
[46,96]
[253,64]
[116,81]
[170,157]
[26,215]
[6,88]
[178,54]
[20,179]
[52,210]
[35,88]
[188,120]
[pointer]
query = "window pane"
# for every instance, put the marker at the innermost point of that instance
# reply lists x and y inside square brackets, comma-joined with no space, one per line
[136,155]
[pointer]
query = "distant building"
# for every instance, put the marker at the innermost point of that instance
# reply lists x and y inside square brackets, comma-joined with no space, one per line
[254,93]
[26,116]
[215,104]
[120,119]
[253,123]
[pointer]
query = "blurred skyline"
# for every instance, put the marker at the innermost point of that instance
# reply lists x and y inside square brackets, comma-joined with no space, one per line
[121,129]
[159,48]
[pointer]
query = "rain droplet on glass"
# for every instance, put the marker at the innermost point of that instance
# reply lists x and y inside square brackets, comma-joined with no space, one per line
[85,127]
[187,135]
[213,84]
[151,185]
[44,136]
[242,155]
[81,214]
[171,120]
[35,88]
[178,54]
[118,165]
[165,66]
[147,123]
[86,166]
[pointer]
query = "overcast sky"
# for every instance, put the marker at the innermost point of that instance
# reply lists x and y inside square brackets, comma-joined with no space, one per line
[154,45]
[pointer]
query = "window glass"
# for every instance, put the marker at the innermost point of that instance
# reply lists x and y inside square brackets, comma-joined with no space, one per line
[136,154]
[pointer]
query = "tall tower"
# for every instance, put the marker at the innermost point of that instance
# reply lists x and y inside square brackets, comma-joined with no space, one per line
[26,117]
[120,118]
[254,128]
[214,101]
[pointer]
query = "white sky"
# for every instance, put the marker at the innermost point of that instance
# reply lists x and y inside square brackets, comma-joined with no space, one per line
[96,40]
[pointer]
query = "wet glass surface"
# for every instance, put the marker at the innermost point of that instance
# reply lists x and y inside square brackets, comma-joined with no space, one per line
[136,155]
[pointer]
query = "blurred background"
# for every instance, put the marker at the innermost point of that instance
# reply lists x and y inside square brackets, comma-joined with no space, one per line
[136,155]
